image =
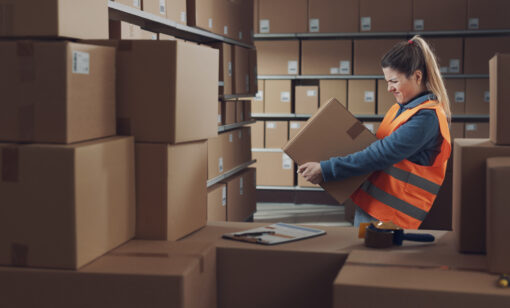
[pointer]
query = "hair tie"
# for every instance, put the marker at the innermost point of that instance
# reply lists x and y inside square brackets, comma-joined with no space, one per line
[410,42]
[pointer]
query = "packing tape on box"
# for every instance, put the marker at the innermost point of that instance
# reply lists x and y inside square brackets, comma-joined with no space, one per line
[26,61]
[26,120]
[6,18]
[162,255]
[355,130]
[124,126]
[19,255]
[10,164]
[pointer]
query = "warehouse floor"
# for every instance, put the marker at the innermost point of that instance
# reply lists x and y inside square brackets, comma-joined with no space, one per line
[320,215]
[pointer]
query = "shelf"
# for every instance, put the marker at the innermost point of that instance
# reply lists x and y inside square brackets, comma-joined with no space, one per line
[358,77]
[159,24]
[368,117]
[271,150]
[235,96]
[294,188]
[228,127]
[229,173]
[470,118]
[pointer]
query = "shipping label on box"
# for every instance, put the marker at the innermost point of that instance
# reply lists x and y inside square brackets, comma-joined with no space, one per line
[366,23]
[314,25]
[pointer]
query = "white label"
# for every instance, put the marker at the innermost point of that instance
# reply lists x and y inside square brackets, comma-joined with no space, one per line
[345,67]
[210,23]
[292,67]
[241,186]
[487,96]
[260,96]
[419,24]
[366,23]
[314,25]
[295,125]
[224,196]
[136,3]
[229,69]
[247,83]
[219,118]
[311,93]
[162,7]
[473,23]
[470,127]
[454,66]
[230,138]
[240,35]
[370,127]
[286,161]
[220,164]
[459,97]
[240,134]
[334,70]
[264,26]
[270,125]
[221,83]
[81,62]
[183,17]
[225,30]
[285,97]
[443,69]
[155,36]
[369,96]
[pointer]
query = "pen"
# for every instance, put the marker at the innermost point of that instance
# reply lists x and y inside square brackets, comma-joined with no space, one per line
[254,233]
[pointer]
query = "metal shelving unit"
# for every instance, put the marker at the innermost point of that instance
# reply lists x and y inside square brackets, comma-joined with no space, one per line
[235,96]
[229,173]
[369,117]
[228,127]
[358,77]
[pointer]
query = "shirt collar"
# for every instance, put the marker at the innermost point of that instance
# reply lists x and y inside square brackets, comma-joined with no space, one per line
[417,100]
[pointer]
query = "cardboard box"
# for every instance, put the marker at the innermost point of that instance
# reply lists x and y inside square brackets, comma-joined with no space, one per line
[241,78]
[440,214]
[477,96]
[368,54]
[307,99]
[171,190]
[241,191]
[438,15]
[120,30]
[385,99]
[332,131]
[174,10]
[215,155]
[247,110]
[217,202]
[325,57]
[166,37]
[137,4]
[164,274]
[242,146]
[277,133]
[253,70]
[456,89]
[476,130]
[489,14]
[257,134]
[333,89]
[239,111]
[204,14]
[69,210]
[499,100]
[230,112]
[274,168]
[257,103]
[226,67]
[277,57]
[469,174]
[64,19]
[378,17]
[294,128]
[244,21]
[153,87]
[479,50]
[498,171]
[449,52]
[333,16]
[361,97]
[456,131]
[229,146]
[278,96]
[56,92]
[283,16]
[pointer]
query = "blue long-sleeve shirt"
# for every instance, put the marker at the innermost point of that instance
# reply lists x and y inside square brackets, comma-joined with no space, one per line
[418,140]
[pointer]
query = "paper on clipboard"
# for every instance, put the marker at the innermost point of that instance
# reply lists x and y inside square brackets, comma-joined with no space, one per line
[274,234]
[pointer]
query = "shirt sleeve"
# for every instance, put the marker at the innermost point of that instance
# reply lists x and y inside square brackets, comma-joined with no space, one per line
[415,135]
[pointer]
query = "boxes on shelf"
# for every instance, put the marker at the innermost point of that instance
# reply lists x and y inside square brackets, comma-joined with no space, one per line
[277,57]
[242,146]
[171,190]
[253,71]
[278,96]
[230,112]
[220,113]
[476,130]
[295,127]
[137,4]
[283,16]
[257,103]
[439,15]
[479,50]
[333,89]
[217,202]
[449,52]
[243,112]
[121,30]
[63,19]
[274,168]
[325,57]
[500,99]
[243,15]
[241,77]
[385,99]
[477,96]
[69,210]
[204,14]
[56,92]
[257,134]
[333,16]
[174,10]
[307,99]
[276,134]
[332,131]
[215,155]
[368,54]
[386,16]
[491,14]
[361,96]
[226,68]
[241,195]
[456,89]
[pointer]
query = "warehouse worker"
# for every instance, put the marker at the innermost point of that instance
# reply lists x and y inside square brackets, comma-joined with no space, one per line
[409,159]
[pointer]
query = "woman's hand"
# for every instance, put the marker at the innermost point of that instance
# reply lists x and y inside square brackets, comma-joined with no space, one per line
[312,172]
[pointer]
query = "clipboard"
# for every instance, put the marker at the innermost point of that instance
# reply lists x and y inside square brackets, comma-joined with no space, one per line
[274,234]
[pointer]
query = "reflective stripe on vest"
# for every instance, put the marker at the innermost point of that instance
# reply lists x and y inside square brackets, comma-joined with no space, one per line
[413,179]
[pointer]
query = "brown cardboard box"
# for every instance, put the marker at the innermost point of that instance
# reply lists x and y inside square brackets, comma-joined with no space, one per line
[385,99]
[368,55]
[307,99]
[56,92]
[230,112]
[226,67]
[361,97]
[439,15]
[386,16]
[171,190]
[324,57]
[137,4]
[243,15]
[449,52]
[276,134]
[456,89]
[241,190]
[241,78]
[479,50]
[166,37]
[491,14]
[164,274]
[247,110]
[257,103]
[65,19]
[215,156]
[274,168]
[204,14]
[498,171]
[499,100]
[456,131]
[469,174]
[120,30]
[252,55]
[155,86]
[477,96]
[230,146]
[221,108]
[277,57]
[278,96]
[295,127]
[440,214]
[333,89]
[217,202]
[257,134]
[242,146]
[476,130]
[72,208]
[240,111]
[333,16]
[332,131]
[283,16]
[174,10]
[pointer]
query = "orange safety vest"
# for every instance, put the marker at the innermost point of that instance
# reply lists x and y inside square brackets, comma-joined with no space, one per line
[405,192]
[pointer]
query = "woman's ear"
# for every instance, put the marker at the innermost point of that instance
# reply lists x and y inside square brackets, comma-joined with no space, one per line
[419,76]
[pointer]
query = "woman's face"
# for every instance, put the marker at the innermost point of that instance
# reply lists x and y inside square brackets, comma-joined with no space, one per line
[401,87]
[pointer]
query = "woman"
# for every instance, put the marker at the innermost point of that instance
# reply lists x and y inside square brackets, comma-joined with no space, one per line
[410,157]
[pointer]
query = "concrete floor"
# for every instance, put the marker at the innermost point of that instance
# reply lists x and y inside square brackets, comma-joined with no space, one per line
[320,215]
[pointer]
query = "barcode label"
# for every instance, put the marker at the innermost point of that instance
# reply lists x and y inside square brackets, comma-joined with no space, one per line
[224,196]
[292,67]
[314,25]
[162,6]
[345,67]
[419,24]
[230,138]
[220,164]
[454,66]
[286,162]
[470,127]
[334,70]
[225,30]
[81,62]
[270,125]
[366,23]
[473,23]
[260,96]
[285,97]
[264,25]
[210,23]
[369,96]
[183,17]
[311,93]
[219,118]
[295,125]
[459,97]
[229,69]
